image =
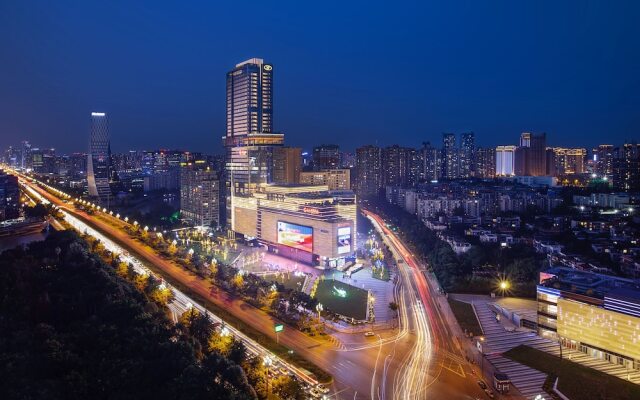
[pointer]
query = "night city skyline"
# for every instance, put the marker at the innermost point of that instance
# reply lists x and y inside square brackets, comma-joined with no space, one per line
[320,201]
[565,70]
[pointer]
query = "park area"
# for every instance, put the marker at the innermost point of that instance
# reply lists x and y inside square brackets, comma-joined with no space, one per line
[343,299]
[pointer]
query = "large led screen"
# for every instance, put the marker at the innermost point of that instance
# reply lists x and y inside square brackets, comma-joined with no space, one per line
[344,240]
[296,236]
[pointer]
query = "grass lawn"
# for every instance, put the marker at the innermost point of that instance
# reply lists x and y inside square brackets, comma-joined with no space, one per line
[465,316]
[288,280]
[354,304]
[575,381]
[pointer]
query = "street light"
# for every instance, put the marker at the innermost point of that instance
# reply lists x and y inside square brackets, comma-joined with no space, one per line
[267,361]
[504,286]
[319,308]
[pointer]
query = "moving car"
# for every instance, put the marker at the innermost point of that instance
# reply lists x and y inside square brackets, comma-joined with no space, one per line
[369,334]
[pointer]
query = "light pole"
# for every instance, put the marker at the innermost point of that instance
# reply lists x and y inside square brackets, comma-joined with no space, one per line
[504,286]
[319,308]
[267,361]
[481,349]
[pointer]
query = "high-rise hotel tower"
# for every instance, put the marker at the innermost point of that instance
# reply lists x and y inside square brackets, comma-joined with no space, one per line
[249,138]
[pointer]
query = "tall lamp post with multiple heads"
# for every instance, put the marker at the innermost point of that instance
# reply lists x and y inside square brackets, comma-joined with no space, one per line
[319,308]
[267,361]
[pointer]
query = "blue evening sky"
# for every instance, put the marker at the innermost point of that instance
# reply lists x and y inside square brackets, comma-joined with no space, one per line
[346,72]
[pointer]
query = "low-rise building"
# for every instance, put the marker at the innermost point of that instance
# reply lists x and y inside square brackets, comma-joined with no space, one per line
[593,313]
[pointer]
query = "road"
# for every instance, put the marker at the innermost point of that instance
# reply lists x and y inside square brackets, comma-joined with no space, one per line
[418,361]
[438,342]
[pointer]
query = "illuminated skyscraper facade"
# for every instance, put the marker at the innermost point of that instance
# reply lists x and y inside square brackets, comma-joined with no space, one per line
[249,138]
[99,158]
[505,160]
[250,98]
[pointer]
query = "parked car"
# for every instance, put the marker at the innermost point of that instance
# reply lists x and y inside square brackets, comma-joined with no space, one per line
[482,384]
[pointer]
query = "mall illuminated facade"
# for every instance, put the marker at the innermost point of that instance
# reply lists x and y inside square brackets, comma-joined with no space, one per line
[596,314]
[310,224]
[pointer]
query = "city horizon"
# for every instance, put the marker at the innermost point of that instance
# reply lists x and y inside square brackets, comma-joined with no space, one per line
[420,201]
[180,105]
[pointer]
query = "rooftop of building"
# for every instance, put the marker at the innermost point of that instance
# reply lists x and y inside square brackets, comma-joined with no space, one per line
[587,283]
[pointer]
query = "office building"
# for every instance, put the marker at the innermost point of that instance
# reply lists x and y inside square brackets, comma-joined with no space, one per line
[326,156]
[450,156]
[596,314]
[310,224]
[485,162]
[25,155]
[368,171]
[287,165]
[334,179]
[505,156]
[199,194]
[249,138]
[250,98]
[467,155]
[99,158]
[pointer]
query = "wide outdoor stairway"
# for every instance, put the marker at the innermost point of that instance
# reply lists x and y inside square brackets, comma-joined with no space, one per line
[527,380]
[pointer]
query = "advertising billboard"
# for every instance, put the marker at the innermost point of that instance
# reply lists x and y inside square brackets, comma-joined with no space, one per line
[344,240]
[296,236]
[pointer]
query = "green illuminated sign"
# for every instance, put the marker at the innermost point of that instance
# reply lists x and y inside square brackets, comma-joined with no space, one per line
[279,328]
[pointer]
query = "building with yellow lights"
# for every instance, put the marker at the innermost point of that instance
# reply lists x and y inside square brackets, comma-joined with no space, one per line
[593,313]
[307,223]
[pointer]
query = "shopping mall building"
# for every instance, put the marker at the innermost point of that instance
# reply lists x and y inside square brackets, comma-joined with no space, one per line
[310,224]
[593,313]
